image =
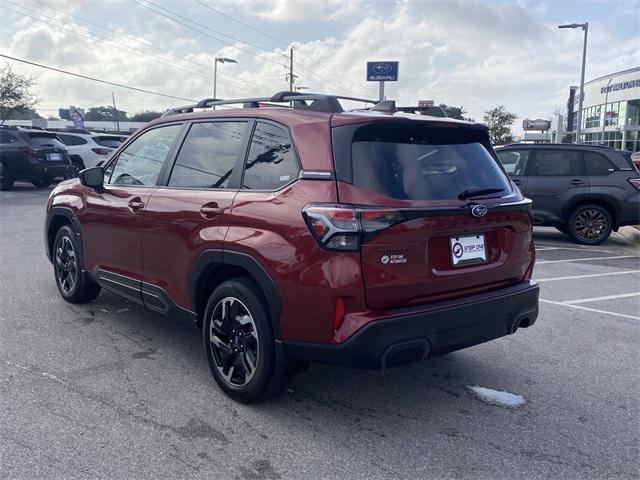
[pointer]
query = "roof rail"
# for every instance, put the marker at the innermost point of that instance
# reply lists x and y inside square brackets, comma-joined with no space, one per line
[303,101]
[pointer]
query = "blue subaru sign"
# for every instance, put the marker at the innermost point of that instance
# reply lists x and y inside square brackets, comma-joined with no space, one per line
[382,71]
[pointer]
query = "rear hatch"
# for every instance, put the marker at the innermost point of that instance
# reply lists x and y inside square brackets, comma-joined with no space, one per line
[46,148]
[438,215]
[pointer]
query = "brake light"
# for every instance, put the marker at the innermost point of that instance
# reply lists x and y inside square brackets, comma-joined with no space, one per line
[342,228]
[635,182]
[101,151]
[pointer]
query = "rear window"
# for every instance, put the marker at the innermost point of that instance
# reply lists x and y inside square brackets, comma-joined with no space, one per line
[44,140]
[109,142]
[419,162]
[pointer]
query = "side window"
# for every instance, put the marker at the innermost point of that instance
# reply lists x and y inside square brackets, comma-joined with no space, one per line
[514,161]
[556,162]
[140,163]
[597,164]
[271,163]
[208,155]
[7,138]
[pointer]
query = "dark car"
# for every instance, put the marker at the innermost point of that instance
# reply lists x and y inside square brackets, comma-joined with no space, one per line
[30,154]
[306,234]
[584,191]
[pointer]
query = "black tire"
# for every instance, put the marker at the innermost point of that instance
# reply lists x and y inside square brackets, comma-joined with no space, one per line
[67,269]
[590,224]
[241,337]
[42,182]
[76,165]
[6,178]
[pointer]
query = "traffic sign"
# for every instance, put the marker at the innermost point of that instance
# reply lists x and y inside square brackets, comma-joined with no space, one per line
[382,71]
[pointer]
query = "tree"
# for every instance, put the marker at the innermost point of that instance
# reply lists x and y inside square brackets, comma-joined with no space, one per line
[145,116]
[105,114]
[454,112]
[25,114]
[499,122]
[15,94]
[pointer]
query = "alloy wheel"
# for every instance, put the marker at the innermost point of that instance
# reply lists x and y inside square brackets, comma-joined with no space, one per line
[66,265]
[590,224]
[233,339]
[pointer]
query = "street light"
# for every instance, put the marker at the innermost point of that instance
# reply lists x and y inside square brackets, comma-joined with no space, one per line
[585,29]
[604,113]
[217,60]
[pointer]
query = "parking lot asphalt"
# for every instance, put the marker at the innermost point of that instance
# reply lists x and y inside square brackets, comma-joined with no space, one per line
[112,390]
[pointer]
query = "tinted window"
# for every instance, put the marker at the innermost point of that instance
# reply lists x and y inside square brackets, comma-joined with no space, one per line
[208,155]
[271,163]
[597,164]
[416,162]
[141,161]
[556,162]
[7,138]
[110,142]
[71,139]
[44,140]
[514,161]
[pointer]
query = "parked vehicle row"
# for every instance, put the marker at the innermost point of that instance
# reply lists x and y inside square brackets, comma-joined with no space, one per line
[368,239]
[584,191]
[39,155]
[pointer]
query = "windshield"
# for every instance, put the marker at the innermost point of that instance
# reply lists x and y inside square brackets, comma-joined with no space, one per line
[417,163]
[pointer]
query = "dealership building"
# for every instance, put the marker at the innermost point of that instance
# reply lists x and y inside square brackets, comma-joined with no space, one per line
[610,111]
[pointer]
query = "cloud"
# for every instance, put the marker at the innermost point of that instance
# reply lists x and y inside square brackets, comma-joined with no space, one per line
[458,52]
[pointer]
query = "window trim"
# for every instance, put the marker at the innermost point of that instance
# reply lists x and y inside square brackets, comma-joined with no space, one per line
[234,181]
[296,157]
[114,159]
[533,159]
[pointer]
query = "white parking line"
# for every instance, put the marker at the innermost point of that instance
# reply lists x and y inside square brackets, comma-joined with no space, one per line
[544,248]
[591,275]
[598,299]
[594,310]
[584,259]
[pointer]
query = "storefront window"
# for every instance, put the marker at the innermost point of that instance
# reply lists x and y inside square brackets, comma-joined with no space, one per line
[592,117]
[612,114]
[633,112]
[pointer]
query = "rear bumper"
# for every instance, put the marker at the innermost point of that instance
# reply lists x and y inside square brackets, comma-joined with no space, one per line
[49,169]
[410,336]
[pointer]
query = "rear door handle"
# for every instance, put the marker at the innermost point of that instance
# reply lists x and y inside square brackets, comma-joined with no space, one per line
[135,204]
[210,210]
[577,182]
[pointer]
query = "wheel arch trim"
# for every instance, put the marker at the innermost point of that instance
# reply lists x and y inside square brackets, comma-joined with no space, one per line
[73,220]
[212,258]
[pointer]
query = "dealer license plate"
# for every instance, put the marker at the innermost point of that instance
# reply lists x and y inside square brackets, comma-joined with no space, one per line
[466,249]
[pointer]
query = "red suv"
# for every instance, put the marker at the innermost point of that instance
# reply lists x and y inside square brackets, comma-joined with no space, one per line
[303,233]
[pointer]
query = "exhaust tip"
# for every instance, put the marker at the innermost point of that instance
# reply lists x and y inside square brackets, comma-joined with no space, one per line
[404,353]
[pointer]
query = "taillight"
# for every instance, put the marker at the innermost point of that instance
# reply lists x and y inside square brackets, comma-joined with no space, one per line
[635,182]
[342,228]
[101,151]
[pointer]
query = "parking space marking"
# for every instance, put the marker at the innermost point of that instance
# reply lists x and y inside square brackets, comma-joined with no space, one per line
[591,275]
[545,248]
[585,259]
[598,299]
[588,309]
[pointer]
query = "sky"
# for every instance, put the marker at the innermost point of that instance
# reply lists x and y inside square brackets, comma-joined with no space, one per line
[473,53]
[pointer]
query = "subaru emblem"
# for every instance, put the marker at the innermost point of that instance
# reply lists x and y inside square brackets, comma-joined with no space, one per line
[478,211]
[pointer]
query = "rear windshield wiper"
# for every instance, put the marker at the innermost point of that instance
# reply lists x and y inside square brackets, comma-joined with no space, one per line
[477,192]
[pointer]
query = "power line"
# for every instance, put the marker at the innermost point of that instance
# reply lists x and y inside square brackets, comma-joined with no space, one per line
[205,33]
[105,40]
[86,77]
[286,44]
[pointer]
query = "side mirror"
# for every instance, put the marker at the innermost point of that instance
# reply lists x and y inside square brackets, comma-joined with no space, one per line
[92,177]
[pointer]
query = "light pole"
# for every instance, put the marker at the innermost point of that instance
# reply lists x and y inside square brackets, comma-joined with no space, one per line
[585,29]
[217,60]
[604,112]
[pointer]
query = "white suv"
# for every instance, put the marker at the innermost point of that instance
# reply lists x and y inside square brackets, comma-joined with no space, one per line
[88,149]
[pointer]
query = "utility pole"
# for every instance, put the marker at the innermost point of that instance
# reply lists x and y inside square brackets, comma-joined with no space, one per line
[291,69]
[115,111]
